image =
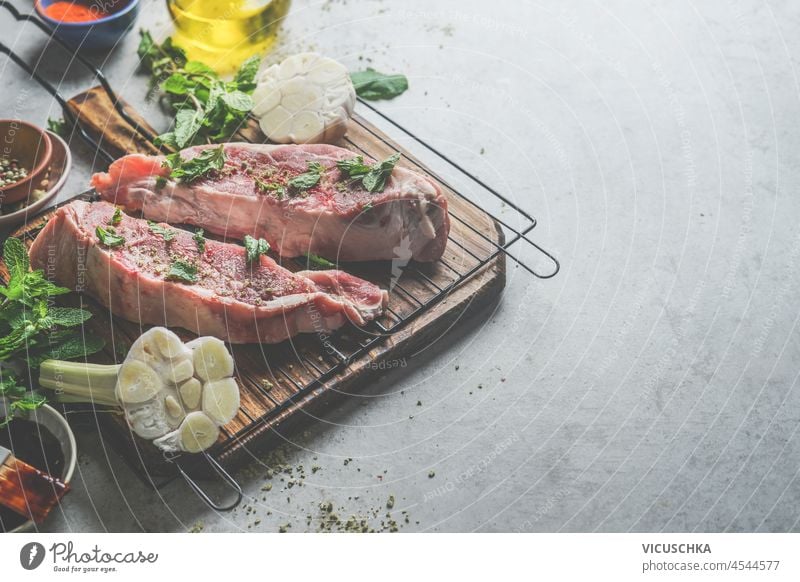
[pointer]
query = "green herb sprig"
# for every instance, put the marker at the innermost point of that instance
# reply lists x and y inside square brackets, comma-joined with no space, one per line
[166,233]
[200,240]
[207,162]
[58,126]
[207,108]
[316,262]
[254,248]
[108,236]
[374,177]
[32,329]
[309,179]
[182,271]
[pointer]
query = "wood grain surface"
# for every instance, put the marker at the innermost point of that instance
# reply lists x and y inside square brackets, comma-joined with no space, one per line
[272,378]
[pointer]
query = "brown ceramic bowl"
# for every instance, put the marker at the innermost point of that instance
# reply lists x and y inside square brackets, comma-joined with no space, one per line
[29,145]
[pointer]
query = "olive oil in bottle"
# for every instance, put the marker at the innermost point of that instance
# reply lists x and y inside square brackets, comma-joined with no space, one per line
[223,33]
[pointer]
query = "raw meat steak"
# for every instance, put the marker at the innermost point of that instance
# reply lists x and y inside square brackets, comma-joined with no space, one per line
[230,298]
[337,218]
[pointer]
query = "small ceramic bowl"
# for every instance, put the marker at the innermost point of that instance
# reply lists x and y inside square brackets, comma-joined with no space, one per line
[59,167]
[53,421]
[29,145]
[102,33]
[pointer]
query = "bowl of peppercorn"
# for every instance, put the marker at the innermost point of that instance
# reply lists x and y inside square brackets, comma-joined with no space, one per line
[25,152]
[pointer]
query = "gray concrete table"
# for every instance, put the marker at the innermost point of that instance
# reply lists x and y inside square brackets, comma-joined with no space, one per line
[652,385]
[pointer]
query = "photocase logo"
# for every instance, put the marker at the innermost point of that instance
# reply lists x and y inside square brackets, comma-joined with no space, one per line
[31,555]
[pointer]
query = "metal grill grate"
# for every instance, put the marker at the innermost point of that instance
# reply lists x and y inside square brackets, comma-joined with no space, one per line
[405,304]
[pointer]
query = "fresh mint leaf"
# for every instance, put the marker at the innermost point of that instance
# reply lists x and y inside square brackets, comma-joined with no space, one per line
[77,345]
[372,85]
[68,316]
[16,340]
[147,50]
[317,262]
[15,256]
[187,123]
[200,240]
[159,59]
[353,167]
[116,218]
[57,126]
[166,233]
[207,109]
[279,190]
[28,403]
[109,237]
[245,78]
[176,84]
[10,388]
[238,101]
[375,179]
[210,160]
[309,179]
[254,248]
[198,68]
[182,271]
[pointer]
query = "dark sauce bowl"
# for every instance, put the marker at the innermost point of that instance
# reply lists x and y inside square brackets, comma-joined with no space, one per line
[41,438]
[102,33]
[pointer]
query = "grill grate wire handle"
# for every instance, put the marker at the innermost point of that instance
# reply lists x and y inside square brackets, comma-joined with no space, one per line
[377,331]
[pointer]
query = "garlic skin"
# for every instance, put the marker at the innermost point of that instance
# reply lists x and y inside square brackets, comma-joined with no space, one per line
[307,98]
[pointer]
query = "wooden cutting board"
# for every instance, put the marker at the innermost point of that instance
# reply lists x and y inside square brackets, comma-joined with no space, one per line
[278,391]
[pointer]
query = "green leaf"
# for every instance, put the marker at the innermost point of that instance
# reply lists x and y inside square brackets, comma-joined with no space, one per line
[353,167]
[16,340]
[375,179]
[109,237]
[218,107]
[309,179]
[187,124]
[238,101]
[167,233]
[200,240]
[74,346]
[254,248]
[182,271]
[116,218]
[148,49]
[372,85]
[278,189]
[15,256]
[175,54]
[10,388]
[30,402]
[198,68]
[317,262]
[68,316]
[57,126]
[34,285]
[210,160]
[176,84]
[246,75]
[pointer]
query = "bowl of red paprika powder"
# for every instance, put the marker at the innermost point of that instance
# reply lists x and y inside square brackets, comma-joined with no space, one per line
[89,24]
